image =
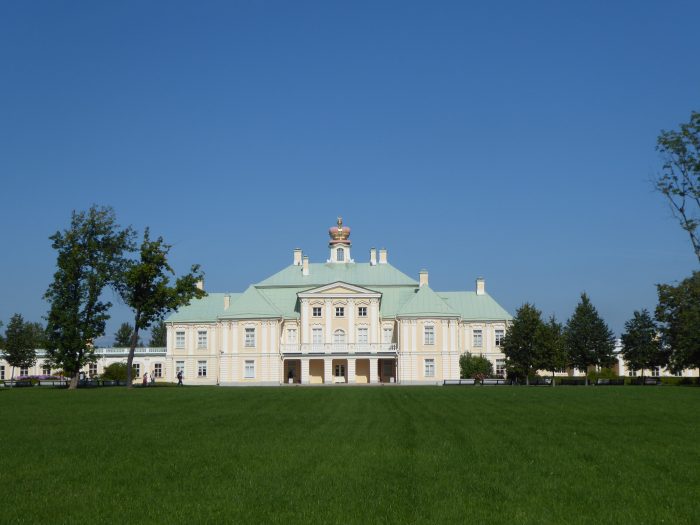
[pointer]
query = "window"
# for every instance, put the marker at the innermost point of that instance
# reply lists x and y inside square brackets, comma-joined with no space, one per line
[158,370]
[179,367]
[249,371]
[316,311]
[340,311]
[46,369]
[339,337]
[317,336]
[2,372]
[250,337]
[201,338]
[501,367]
[362,335]
[429,335]
[92,369]
[24,371]
[632,373]
[180,339]
[387,335]
[339,370]
[478,337]
[340,254]
[500,334]
[430,368]
[291,335]
[361,311]
[136,369]
[655,371]
[201,369]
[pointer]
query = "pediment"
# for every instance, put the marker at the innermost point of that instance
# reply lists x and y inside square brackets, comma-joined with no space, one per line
[339,289]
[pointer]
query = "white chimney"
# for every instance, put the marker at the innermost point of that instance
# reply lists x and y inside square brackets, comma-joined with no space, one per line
[200,284]
[305,265]
[372,256]
[227,301]
[480,286]
[297,256]
[382,256]
[423,278]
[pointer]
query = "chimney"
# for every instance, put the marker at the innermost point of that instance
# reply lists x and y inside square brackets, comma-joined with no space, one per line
[480,286]
[200,284]
[423,278]
[372,256]
[382,256]
[227,301]
[297,256]
[305,265]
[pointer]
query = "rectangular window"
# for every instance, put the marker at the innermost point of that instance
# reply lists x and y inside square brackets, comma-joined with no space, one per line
[46,370]
[201,338]
[430,368]
[387,334]
[429,335]
[501,367]
[179,367]
[250,337]
[340,311]
[632,373]
[317,336]
[158,370]
[92,369]
[2,372]
[136,370]
[339,370]
[478,337]
[201,369]
[362,336]
[180,339]
[500,334]
[24,371]
[362,311]
[291,335]
[655,372]
[249,372]
[316,311]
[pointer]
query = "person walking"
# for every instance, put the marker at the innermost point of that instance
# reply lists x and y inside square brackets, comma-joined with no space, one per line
[153,378]
[179,378]
[145,379]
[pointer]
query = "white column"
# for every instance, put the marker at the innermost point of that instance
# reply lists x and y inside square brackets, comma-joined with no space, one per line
[351,370]
[304,371]
[453,336]
[328,322]
[263,342]
[169,339]
[328,370]
[373,375]
[414,334]
[351,321]
[304,321]
[224,337]
[443,323]
[373,316]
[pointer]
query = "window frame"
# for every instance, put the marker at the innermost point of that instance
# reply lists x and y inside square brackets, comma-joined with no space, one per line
[202,339]
[202,367]
[249,369]
[429,335]
[498,335]
[429,367]
[250,335]
[340,311]
[477,334]
[317,311]
[361,311]
[179,344]
[362,333]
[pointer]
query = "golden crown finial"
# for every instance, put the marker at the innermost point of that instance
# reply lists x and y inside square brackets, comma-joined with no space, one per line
[339,233]
[340,222]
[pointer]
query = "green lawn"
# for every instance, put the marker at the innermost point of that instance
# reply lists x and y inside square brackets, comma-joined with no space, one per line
[337,455]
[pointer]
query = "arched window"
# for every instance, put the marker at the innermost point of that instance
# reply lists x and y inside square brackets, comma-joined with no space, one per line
[340,254]
[339,337]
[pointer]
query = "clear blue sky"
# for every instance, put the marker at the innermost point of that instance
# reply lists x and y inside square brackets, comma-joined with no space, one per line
[510,140]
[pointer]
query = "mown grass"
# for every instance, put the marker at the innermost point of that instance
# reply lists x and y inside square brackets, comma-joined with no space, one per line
[341,455]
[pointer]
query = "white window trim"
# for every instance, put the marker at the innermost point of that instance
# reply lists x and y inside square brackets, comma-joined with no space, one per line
[249,369]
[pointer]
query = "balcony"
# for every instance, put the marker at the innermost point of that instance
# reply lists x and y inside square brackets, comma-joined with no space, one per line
[338,348]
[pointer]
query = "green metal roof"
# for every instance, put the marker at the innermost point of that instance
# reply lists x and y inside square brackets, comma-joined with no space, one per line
[251,304]
[393,298]
[426,303]
[473,307]
[208,308]
[361,274]
[284,299]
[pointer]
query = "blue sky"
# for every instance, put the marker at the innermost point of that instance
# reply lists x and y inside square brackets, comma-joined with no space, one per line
[509,140]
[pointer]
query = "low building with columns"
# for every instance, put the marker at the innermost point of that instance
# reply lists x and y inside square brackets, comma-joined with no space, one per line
[339,321]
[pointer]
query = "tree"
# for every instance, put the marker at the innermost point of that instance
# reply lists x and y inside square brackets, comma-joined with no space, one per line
[145,287]
[551,355]
[122,337]
[521,343]
[90,258]
[2,339]
[473,366]
[115,372]
[679,181]
[19,345]
[588,340]
[158,335]
[678,314]
[641,345]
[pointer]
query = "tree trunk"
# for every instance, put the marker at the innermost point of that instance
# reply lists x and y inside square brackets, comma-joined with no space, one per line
[132,349]
[12,379]
[554,380]
[527,379]
[643,377]
[73,385]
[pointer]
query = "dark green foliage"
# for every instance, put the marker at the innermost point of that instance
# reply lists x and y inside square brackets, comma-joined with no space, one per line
[678,314]
[89,258]
[2,339]
[521,343]
[20,339]
[679,181]
[115,372]
[588,340]
[158,335]
[641,344]
[145,286]
[474,366]
[551,354]
[122,337]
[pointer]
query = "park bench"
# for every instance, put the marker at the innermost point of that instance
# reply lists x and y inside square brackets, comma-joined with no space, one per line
[59,383]
[541,381]
[602,381]
[448,382]
[14,383]
[494,381]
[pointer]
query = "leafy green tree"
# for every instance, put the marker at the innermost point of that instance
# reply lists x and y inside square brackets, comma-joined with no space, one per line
[145,286]
[90,258]
[521,343]
[2,339]
[679,181]
[678,314]
[473,366]
[115,372]
[551,354]
[588,340]
[641,344]
[19,345]
[122,337]
[158,335]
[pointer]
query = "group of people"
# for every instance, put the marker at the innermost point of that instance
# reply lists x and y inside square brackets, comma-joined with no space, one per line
[145,381]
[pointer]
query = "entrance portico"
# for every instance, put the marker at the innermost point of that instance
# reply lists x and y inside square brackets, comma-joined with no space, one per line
[339,370]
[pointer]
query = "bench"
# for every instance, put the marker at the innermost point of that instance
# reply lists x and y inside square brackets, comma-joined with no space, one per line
[448,382]
[60,383]
[609,382]
[14,383]
[494,381]
[541,381]
[572,381]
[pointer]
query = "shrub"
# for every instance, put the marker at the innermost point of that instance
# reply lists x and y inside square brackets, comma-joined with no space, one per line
[115,372]
[472,367]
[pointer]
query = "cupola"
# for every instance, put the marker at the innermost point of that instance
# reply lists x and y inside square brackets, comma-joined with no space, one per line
[339,244]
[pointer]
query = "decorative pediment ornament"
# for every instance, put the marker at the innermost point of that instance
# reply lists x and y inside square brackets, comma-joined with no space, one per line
[339,234]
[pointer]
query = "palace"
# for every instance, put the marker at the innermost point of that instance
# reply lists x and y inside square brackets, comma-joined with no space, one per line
[339,321]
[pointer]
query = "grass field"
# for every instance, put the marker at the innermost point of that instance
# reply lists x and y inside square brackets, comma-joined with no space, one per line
[338,455]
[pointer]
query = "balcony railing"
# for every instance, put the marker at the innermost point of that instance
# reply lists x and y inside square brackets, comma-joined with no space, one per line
[337,348]
[118,351]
